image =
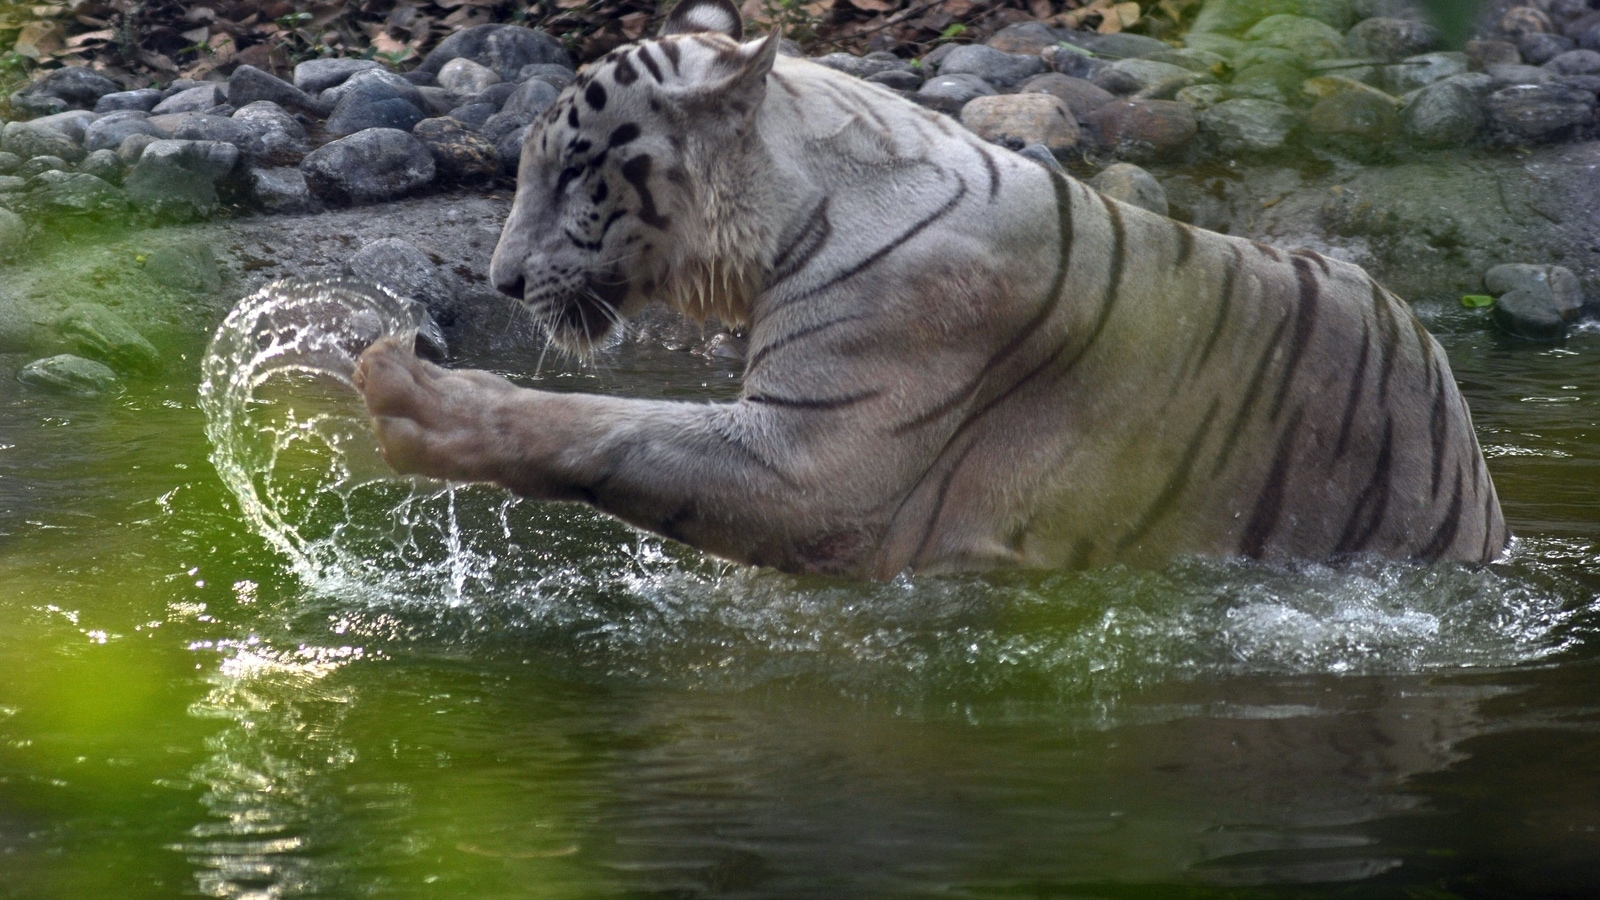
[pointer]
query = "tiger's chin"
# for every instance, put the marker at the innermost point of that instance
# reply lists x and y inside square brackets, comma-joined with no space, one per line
[581,320]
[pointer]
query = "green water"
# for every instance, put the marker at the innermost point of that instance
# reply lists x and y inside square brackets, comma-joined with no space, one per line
[538,702]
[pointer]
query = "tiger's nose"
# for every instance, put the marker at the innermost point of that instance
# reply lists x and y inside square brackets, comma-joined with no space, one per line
[513,285]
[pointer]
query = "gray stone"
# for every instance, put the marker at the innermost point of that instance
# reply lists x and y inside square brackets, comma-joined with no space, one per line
[1389,39]
[473,115]
[13,234]
[463,76]
[1151,75]
[1041,154]
[12,184]
[530,99]
[280,189]
[497,94]
[1144,130]
[317,75]
[1422,70]
[279,138]
[1519,21]
[73,87]
[1081,96]
[356,113]
[1114,46]
[996,67]
[101,334]
[503,48]
[1529,315]
[1132,185]
[1073,61]
[1446,114]
[42,164]
[437,101]
[1236,16]
[1024,37]
[1575,62]
[188,267]
[1357,114]
[508,149]
[102,164]
[1213,42]
[204,127]
[373,85]
[1019,120]
[195,99]
[9,162]
[404,268]
[1557,286]
[1540,111]
[948,93]
[458,151]
[1540,47]
[1277,82]
[249,84]
[557,76]
[68,374]
[1237,127]
[1507,75]
[503,123]
[1482,54]
[143,99]
[179,177]
[1305,37]
[1116,81]
[72,123]
[29,139]
[133,147]
[862,66]
[372,165]
[904,80]
[109,132]
[1204,96]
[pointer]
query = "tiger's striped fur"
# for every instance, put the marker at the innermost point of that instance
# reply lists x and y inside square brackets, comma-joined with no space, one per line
[958,360]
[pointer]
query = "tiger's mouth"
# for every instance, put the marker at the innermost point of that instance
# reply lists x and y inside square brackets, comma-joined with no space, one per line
[581,318]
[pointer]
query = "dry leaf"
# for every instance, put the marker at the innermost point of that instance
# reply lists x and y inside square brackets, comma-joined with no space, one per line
[874,5]
[91,37]
[38,40]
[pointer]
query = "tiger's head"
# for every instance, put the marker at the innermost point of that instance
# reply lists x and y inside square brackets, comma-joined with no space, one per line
[642,181]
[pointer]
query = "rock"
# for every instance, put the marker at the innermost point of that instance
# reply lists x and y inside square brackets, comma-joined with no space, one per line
[1390,40]
[13,234]
[1519,21]
[1305,37]
[1422,70]
[1505,76]
[862,66]
[144,99]
[1556,286]
[42,164]
[179,177]
[1132,185]
[72,123]
[458,151]
[30,139]
[1121,45]
[1575,62]
[133,147]
[1116,81]
[280,189]
[9,162]
[495,95]
[102,164]
[996,67]
[317,75]
[77,192]
[530,99]
[1213,42]
[109,132]
[73,87]
[557,76]
[508,149]
[68,374]
[1238,127]
[279,138]
[1072,61]
[1236,16]
[437,101]
[1277,82]
[1081,96]
[101,334]
[1529,315]
[1445,114]
[463,76]
[1041,154]
[403,268]
[1023,37]
[373,85]
[1540,47]
[1144,130]
[195,99]
[1151,75]
[249,84]
[472,115]
[187,267]
[1482,54]
[1588,38]
[904,80]
[203,127]
[11,184]
[502,123]
[1540,111]
[1018,120]
[358,113]
[1327,85]
[948,93]
[1357,114]
[376,164]
[1204,96]
[503,48]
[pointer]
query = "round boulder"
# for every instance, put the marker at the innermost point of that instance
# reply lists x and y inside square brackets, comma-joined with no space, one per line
[1239,127]
[458,151]
[372,165]
[1017,120]
[1446,114]
[996,67]
[68,374]
[1132,185]
[1540,111]
[1144,130]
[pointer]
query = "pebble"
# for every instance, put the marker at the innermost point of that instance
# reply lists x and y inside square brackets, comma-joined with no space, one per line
[1132,185]
[1305,37]
[1446,114]
[1390,39]
[68,374]
[280,189]
[368,166]
[1556,285]
[30,139]
[1081,96]
[995,67]
[1236,127]
[1519,21]
[1204,96]
[1144,130]
[133,147]
[458,151]
[1150,75]
[948,93]
[1019,120]
[1540,111]
[195,99]
[179,177]
[463,76]
[187,267]
[317,75]
[101,334]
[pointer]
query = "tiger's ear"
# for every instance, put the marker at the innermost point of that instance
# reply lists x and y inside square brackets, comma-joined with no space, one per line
[746,86]
[700,16]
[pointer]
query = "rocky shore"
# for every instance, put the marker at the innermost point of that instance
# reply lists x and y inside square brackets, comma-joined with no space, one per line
[1343,125]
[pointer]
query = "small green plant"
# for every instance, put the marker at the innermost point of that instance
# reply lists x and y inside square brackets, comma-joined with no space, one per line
[950,33]
[792,19]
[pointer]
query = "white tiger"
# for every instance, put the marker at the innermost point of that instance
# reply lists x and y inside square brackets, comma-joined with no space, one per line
[958,360]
